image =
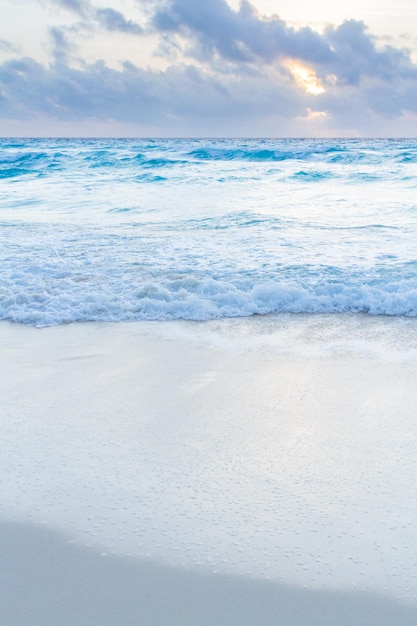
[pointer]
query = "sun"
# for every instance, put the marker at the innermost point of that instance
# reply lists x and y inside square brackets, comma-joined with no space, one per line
[305,77]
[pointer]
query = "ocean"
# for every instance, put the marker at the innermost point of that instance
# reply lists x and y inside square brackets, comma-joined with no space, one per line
[198,229]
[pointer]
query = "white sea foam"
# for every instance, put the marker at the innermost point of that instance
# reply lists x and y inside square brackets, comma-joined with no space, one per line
[69,302]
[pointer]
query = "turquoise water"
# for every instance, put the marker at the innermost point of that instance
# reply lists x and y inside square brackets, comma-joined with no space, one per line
[121,230]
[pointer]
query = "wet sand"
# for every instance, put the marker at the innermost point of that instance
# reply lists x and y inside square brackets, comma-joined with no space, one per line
[208,473]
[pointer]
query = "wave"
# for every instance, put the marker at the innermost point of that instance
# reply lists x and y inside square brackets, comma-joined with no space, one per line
[221,154]
[296,151]
[76,298]
[19,163]
[312,176]
[248,154]
[13,172]
[43,157]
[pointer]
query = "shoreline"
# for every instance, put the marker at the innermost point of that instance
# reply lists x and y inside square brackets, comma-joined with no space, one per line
[277,448]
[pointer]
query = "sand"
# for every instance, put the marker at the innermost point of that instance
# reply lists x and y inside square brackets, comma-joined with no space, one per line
[255,471]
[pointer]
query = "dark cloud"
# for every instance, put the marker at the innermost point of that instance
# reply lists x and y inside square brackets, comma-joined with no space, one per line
[348,51]
[239,36]
[356,55]
[79,7]
[107,18]
[180,95]
[115,21]
[61,46]
[67,94]
[7,46]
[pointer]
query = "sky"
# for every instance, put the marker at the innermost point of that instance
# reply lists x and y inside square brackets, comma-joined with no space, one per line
[204,68]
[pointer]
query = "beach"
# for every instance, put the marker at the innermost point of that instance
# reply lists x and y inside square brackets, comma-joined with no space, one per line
[234,471]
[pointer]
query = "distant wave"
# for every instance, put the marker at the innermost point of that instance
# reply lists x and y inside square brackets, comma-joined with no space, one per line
[133,156]
[222,154]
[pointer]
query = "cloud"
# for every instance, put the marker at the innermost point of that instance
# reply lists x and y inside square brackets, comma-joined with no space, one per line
[115,21]
[347,52]
[180,99]
[30,89]
[7,46]
[61,47]
[239,36]
[108,18]
[356,56]
[79,7]
[242,74]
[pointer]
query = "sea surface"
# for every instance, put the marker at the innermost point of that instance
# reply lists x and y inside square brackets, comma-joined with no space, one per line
[120,230]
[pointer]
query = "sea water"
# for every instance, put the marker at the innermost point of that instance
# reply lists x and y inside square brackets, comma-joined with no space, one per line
[140,229]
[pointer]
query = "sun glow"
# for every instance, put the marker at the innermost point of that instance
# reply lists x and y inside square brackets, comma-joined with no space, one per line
[305,78]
